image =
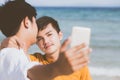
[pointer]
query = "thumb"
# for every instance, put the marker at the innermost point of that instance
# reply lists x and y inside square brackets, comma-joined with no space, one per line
[65,44]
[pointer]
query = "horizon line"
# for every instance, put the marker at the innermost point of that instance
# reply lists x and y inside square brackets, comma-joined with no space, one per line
[81,6]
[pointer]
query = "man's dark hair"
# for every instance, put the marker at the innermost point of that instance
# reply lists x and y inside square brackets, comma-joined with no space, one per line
[45,20]
[11,15]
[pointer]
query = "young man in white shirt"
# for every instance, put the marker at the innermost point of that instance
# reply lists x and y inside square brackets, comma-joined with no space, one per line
[17,19]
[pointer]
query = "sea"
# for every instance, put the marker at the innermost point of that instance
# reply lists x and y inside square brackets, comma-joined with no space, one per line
[105,35]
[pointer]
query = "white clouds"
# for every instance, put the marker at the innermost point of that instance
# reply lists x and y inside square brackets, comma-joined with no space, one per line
[72,2]
[102,2]
[75,2]
[1,1]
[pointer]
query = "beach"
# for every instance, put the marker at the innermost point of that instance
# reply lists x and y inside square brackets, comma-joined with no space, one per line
[105,36]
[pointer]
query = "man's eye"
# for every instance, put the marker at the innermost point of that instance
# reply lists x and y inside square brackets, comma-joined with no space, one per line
[49,34]
[39,39]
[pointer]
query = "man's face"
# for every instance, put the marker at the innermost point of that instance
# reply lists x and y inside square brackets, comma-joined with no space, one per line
[48,40]
[34,30]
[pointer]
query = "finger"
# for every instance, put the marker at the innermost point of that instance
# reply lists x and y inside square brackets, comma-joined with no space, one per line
[79,63]
[79,58]
[75,56]
[19,42]
[78,67]
[12,42]
[78,47]
[86,51]
[65,44]
[72,51]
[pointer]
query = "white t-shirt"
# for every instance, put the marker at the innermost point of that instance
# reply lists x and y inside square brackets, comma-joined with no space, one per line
[14,64]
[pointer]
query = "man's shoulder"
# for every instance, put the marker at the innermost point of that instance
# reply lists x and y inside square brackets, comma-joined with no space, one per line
[37,54]
[10,51]
[12,55]
[38,57]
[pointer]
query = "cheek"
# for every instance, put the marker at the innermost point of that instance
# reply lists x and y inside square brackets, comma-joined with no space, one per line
[55,39]
[40,45]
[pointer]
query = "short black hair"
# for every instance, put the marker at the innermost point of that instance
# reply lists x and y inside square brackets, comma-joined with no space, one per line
[42,22]
[11,15]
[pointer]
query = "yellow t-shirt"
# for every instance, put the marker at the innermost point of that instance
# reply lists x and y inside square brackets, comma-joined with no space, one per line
[82,74]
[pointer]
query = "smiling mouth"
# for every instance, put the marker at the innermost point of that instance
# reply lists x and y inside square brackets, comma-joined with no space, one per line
[47,47]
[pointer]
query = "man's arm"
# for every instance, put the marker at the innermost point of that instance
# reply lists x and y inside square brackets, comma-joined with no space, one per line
[12,42]
[69,61]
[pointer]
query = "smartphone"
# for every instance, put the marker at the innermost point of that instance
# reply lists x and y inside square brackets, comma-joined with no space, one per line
[80,35]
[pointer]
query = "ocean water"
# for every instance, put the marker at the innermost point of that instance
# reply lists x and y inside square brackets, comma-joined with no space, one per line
[105,37]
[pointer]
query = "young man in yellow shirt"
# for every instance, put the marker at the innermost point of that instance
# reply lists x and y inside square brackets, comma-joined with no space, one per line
[17,20]
[48,40]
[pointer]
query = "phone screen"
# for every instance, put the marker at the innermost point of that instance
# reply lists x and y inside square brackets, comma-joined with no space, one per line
[80,35]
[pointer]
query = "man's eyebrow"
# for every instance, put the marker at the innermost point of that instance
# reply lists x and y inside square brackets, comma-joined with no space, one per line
[48,32]
[45,33]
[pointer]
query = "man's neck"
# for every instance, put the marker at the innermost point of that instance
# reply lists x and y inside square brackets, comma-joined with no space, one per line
[23,43]
[52,57]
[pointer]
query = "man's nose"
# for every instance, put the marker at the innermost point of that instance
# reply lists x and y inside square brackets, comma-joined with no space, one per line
[46,40]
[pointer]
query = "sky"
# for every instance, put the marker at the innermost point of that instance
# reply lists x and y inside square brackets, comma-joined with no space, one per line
[74,3]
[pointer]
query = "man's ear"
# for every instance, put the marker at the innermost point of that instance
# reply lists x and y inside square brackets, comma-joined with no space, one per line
[60,35]
[26,22]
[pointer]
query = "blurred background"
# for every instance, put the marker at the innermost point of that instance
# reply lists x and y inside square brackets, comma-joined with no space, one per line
[102,16]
